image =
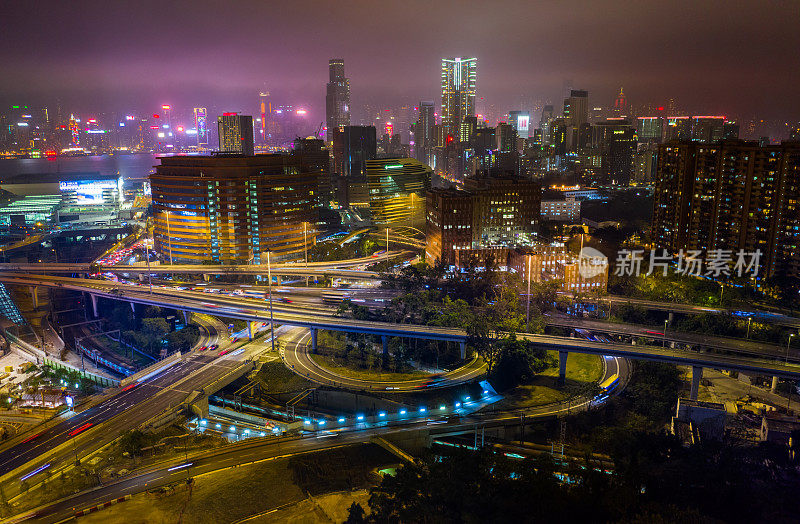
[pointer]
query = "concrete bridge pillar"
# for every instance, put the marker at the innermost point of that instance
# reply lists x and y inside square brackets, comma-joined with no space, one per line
[774,384]
[463,347]
[670,318]
[206,277]
[186,316]
[94,305]
[313,340]
[251,329]
[697,374]
[35,296]
[385,341]
[133,308]
[562,367]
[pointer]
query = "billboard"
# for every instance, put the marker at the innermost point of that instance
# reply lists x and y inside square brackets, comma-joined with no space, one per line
[89,192]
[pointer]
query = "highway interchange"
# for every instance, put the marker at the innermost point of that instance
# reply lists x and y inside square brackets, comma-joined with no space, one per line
[56,446]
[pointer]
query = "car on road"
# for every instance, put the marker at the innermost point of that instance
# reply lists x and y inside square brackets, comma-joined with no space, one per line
[213,347]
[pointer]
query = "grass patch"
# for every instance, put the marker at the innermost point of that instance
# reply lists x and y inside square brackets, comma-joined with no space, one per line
[277,378]
[233,494]
[342,368]
[582,370]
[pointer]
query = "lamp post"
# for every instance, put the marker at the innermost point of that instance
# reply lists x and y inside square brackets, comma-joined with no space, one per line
[147,257]
[787,347]
[271,317]
[664,344]
[721,289]
[305,249]
[169,239]
[528,307]
[748,326]
[387,248]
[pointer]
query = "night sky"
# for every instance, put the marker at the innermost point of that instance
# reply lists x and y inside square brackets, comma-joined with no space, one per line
[721,57]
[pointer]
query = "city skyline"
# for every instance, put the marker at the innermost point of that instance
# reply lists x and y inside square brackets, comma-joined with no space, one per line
[642,48]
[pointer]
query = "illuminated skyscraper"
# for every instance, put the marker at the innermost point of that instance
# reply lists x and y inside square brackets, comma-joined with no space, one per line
[201,126]
[621,103]
[235,133]
[458,93]
[266,110]
[424,135]
[337,98]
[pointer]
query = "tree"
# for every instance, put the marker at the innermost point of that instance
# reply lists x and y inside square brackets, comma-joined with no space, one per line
[133,441]
[355,514]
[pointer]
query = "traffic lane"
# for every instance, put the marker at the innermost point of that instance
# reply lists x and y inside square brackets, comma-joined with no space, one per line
[24,452]
[727,343]
[173,473]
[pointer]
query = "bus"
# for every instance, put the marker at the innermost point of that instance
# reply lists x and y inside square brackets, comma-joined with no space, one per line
[610,383]
[333,298]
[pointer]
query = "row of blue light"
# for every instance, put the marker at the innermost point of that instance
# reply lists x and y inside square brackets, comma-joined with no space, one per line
[403,412]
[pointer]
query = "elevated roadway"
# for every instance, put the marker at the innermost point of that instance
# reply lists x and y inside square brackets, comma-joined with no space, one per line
[258,310]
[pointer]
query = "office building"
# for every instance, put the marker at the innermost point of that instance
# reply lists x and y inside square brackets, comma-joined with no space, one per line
[458,93]
[650,129]
[520,121]
[733,195]
[448,224]
[561,210]
[576,108]
[491,212]
[314,158]
[337,97]
[678,128]
[235,134]
[352,147]
[233,209]
[614,140]
[707,129]
[397,188]
[425,133]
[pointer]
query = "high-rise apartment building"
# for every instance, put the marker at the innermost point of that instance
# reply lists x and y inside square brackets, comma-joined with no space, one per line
[337,97]
[732,195]
[233,209]
[235,134]
[458,93]
[397,189]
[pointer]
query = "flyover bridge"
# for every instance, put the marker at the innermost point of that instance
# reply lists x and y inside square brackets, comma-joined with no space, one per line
[254,310]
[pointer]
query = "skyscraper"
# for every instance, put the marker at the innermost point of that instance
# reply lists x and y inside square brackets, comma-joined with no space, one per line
[576,108]
[337,98]
[235,133]
[201,126]
[266,111]
[458,93]
[424,135]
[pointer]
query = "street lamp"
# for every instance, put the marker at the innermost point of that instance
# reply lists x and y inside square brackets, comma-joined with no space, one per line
[721,289]
[748,326]
[528,307]
[664,344]
[271,317]
[305,249]
[169,238]
[787,347]
[147,257]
